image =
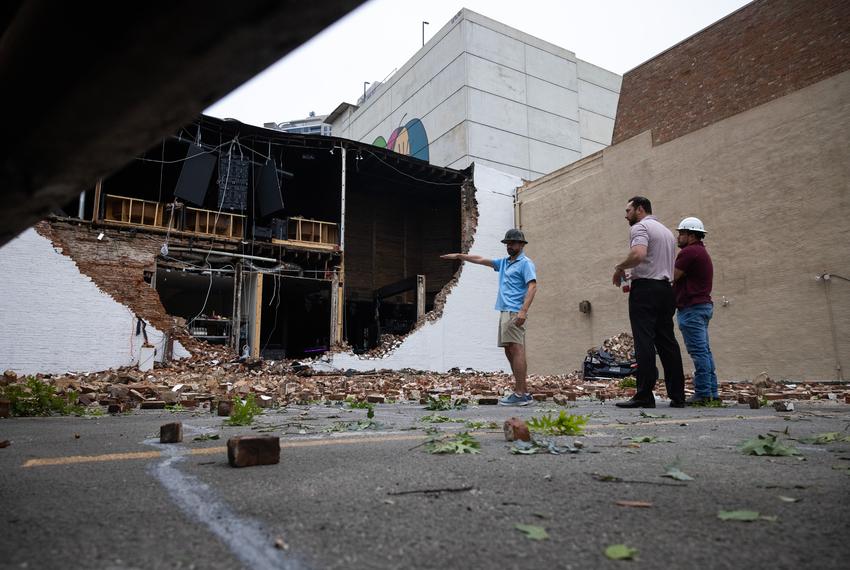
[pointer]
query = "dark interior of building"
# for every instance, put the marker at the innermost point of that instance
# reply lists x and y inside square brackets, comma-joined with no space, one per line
[276,200]
[296,317]
[184,294]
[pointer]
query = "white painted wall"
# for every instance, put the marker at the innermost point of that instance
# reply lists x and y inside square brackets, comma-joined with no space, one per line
[465,336]
[490,94]
[54,319]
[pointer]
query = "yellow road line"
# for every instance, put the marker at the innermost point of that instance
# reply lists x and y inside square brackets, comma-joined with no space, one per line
[90,458]
[73,459]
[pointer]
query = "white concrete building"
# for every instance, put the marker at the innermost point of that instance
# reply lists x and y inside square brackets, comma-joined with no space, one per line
[312,125]
[56,320]
[480,91]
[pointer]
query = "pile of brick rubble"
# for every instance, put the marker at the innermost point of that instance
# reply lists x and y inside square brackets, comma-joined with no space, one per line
[214,373]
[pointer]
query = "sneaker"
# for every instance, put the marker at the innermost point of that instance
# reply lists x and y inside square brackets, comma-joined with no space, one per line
[516,400]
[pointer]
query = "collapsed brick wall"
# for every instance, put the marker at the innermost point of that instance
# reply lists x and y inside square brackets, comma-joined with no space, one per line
[763,51]
[117,264]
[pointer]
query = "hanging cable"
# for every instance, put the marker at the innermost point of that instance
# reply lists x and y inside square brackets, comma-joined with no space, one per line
[276,311]
[206,298]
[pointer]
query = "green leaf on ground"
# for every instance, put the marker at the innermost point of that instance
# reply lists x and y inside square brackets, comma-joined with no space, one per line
[653,416]
[443,403]
[33,397]
[207,437]
[824,438]
[359,425]
[542,446]
[628,382]
[532,532]
[563,424]
[243,413]
[439,419]
[767,445]
[474,424]
[745,516]
[675,473]
[620,552]
[457,444]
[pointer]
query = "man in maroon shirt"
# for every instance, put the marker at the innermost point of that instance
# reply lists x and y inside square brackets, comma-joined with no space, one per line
[692,278]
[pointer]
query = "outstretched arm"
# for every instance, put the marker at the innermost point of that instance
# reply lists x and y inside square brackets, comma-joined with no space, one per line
[470,258]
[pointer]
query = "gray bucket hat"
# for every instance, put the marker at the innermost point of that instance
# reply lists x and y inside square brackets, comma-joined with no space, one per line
[514,235]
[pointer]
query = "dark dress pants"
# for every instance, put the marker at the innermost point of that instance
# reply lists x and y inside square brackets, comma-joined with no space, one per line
[651,309]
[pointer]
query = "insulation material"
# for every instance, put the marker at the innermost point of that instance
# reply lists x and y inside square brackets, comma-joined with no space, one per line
[55,319]
[465,335]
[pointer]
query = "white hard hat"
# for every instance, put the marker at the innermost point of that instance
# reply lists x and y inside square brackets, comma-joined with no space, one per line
[692,224]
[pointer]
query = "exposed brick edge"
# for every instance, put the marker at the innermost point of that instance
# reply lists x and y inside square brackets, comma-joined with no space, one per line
[119,276]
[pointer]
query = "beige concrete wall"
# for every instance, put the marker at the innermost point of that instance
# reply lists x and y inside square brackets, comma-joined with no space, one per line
[772,185]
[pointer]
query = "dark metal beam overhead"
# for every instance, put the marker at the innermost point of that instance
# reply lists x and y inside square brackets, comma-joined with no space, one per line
[89,85]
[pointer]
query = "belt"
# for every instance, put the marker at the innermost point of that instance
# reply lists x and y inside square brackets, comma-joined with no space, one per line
[646,280]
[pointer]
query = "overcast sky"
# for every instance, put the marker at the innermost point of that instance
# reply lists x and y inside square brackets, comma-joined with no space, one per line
[380,36]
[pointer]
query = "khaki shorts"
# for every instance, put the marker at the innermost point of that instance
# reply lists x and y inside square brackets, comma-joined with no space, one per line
[509,331]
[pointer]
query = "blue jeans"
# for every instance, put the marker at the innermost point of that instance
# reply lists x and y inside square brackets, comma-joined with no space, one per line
[693,322]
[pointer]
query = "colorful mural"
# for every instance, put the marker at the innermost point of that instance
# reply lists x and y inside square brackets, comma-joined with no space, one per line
[411,139]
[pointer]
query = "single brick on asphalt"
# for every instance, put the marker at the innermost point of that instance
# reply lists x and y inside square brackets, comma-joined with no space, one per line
[515,429]
[152,405]
[224,407]
[487,401]
[171,433]
[250,450]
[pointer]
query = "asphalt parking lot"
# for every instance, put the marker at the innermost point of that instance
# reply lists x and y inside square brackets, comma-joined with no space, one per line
[103,493]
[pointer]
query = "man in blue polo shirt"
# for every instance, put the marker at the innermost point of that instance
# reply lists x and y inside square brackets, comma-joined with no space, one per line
[517,286]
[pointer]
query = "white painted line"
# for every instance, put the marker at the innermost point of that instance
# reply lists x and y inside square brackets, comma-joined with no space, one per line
[246,538]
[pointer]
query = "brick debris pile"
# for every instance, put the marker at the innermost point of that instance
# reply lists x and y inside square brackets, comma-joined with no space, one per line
[215,373]
[619,346]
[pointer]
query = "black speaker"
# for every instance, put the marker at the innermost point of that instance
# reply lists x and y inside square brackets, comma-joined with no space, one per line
[269,196]
[233,182]
[195,175]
